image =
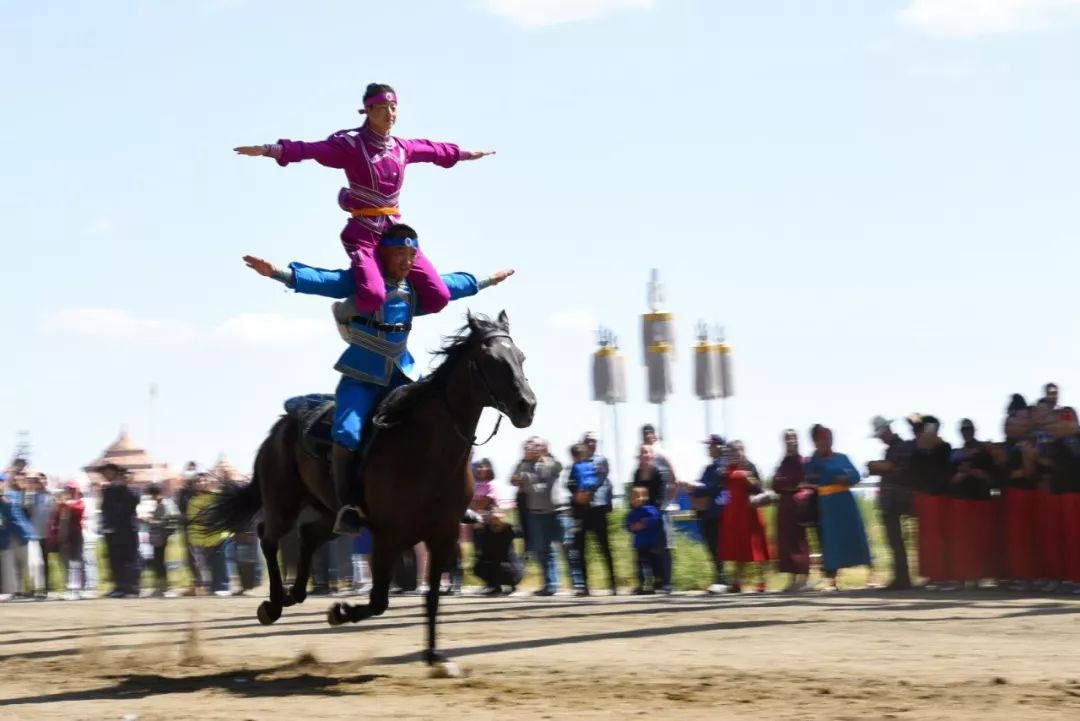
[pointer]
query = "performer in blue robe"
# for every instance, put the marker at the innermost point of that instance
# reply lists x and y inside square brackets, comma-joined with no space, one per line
[377,359]
[843,537]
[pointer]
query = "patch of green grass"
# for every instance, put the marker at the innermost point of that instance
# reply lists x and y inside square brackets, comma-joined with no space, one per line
[692,567]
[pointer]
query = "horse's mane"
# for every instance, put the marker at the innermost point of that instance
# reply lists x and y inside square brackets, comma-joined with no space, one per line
[401,401]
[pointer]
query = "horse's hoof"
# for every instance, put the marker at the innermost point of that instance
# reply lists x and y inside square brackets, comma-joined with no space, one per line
[297,596]
[337,614]
[268,613]
[446,669]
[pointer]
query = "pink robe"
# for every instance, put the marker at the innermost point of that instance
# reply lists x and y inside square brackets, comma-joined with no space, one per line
[375,168]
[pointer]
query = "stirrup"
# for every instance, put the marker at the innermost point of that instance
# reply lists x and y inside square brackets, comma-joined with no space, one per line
[350,521]
[471,517]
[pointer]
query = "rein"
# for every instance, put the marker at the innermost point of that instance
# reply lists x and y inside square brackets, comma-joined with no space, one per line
[496,404]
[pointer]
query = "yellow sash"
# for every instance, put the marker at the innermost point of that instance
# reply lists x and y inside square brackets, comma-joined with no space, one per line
[833,488]
[374,212]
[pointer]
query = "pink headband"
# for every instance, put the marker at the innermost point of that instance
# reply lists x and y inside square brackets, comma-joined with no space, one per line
[387,97]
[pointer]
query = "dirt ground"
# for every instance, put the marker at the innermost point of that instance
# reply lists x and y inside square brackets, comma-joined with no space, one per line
[980,656]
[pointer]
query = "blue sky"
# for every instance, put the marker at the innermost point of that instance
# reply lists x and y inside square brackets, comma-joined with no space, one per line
[879,201]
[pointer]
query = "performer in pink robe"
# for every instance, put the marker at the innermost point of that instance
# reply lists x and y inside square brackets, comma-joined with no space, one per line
[374,163]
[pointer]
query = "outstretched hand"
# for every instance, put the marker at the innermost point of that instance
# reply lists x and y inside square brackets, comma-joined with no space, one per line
[262,267]
[477,154]
[502,275]
[252,150]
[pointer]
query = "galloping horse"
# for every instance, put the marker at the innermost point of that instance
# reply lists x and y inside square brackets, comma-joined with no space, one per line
[414,469]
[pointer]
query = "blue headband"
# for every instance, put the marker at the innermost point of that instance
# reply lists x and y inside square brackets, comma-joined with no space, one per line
[400,241]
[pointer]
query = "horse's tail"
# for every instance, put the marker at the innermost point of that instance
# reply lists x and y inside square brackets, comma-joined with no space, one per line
[234,507]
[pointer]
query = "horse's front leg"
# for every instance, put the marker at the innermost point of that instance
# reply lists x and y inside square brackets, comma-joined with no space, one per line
[313,534]
[382,566]
[439,554]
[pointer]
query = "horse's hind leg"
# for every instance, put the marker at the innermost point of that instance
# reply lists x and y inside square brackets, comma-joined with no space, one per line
[382,565]
[270,611]
[312,535]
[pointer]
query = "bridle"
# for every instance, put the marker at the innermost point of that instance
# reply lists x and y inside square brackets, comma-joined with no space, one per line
[498,405]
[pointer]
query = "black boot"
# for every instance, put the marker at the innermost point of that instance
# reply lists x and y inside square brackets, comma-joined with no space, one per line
[350,518]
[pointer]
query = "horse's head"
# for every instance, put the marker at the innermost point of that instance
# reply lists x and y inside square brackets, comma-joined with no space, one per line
[500,376]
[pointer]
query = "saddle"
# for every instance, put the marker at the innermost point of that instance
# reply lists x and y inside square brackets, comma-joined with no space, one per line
[315,413]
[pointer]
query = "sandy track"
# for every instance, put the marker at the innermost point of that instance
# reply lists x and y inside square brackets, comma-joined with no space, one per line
[846,656]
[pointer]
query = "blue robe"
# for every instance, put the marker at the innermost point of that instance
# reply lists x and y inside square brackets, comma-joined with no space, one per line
[843,538]
[376,361]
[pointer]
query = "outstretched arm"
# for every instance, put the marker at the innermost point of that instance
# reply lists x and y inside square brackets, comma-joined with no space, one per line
[342,284]
[475,154]
[445,155]
[463,285]
[305,279]
[268,270]
[332,152]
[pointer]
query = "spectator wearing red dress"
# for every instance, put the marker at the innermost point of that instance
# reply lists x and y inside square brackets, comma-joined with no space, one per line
[742,531]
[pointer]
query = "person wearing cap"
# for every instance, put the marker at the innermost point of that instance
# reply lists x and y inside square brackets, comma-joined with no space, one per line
[118,519]
[708,498]
[931,473]
[374,163]
[792,548]
[377,359]
[895,498]
[1050,395]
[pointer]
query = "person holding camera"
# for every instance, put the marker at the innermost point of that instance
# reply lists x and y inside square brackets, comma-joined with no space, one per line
[538,476]
[708,497]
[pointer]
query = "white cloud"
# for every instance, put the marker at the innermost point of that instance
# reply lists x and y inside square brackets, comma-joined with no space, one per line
[269,328]
[119,325]
[573,320]
[539,13]
[959,18]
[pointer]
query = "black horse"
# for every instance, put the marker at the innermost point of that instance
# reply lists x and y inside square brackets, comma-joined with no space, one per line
[415,472]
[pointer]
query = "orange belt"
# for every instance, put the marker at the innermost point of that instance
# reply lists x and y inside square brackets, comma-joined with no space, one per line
[374,212]
[832,488]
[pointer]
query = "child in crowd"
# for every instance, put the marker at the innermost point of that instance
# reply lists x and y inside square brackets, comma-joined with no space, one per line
[645,522]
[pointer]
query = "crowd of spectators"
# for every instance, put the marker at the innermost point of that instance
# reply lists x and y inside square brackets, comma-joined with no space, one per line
[982,514]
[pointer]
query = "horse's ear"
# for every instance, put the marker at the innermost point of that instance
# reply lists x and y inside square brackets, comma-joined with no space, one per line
[504,321]
[471,320]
